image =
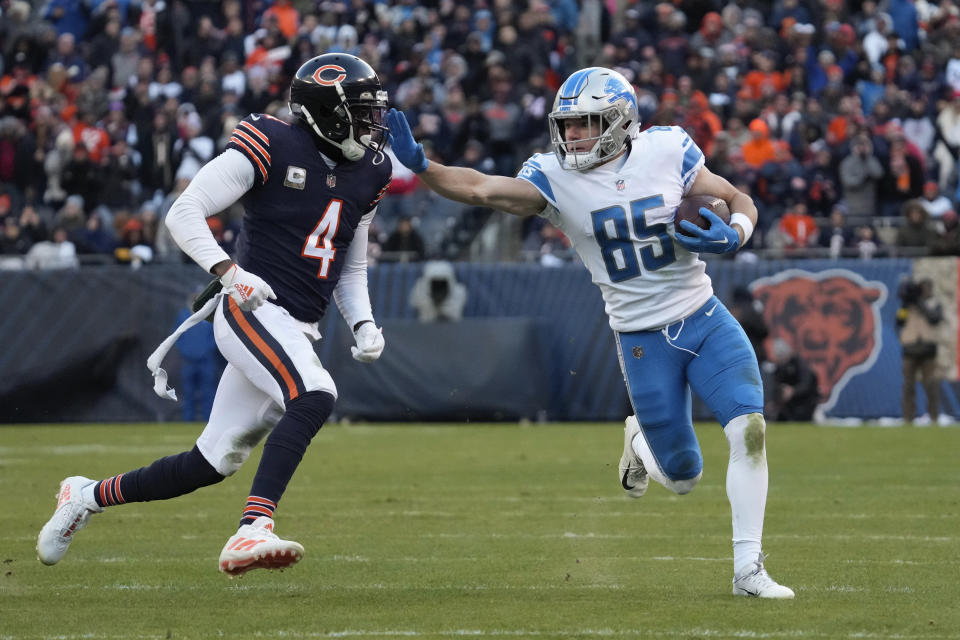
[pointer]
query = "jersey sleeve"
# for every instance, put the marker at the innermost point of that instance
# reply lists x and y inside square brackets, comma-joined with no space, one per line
[532,171]
[691,159]
[384,176]
[377,198]
[250,138]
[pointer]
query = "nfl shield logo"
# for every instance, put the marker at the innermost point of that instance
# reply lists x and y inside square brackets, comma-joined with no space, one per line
[638,350]
[331,180]
[620,185]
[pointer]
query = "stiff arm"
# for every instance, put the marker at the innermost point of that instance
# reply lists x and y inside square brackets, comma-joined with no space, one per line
[511,195]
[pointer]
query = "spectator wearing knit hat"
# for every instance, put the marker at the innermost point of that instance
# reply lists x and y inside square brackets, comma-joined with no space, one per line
[915,232]
[933,201]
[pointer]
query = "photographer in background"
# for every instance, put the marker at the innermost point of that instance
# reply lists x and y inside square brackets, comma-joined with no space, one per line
[795,390]
[437,295]
[917,317]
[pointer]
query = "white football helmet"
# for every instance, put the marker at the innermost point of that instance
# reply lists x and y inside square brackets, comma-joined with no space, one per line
[609,103]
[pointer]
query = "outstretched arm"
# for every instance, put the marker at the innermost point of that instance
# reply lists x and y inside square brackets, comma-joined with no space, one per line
[511,195]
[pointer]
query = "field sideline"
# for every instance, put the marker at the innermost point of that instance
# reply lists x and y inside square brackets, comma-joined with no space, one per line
[449,531]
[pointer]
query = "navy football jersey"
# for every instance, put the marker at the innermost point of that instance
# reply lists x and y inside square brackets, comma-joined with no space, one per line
[301,215]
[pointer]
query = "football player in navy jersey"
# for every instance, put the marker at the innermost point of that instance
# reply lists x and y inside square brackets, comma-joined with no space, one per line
[309,191]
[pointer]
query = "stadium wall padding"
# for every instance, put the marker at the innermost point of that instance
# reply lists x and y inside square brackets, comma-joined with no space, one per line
[534,342]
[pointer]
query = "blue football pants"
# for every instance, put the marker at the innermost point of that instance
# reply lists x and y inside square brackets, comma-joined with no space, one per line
[709,352]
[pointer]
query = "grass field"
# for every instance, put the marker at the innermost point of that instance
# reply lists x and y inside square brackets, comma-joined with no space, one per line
[432,532]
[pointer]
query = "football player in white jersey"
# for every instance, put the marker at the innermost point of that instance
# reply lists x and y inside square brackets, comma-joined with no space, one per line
[613,191]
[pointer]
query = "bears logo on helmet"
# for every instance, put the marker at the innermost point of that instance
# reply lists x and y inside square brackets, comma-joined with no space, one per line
[318,75]
[339,97]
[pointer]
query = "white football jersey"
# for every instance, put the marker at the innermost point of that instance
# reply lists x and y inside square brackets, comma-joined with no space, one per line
[619,217]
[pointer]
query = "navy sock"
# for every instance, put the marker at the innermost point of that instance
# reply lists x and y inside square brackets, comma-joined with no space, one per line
[283,451]
[166,478]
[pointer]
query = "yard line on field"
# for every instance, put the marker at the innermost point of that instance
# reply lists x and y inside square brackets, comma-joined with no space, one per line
[87,636]
[672,558]
[591,535]
[899,561]
[804,515]
[517,633]
[807,515]
[598,633]
[863,516]
[375,586]
[863,536]
[563,586]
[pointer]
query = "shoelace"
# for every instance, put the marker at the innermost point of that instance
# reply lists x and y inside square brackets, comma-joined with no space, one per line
[636,467]
[266,534]
[759,572]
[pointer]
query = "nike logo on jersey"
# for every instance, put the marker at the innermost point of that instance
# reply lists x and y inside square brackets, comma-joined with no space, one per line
[710,313]
[254,116]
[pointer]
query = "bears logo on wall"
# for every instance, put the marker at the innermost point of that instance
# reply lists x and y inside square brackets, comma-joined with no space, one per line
[829,318]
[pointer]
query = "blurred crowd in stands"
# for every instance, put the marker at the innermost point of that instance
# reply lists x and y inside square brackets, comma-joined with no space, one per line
[841,119]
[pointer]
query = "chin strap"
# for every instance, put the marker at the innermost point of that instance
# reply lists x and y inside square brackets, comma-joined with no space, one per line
[351,149]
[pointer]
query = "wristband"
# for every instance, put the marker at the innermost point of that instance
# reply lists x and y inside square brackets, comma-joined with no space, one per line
[745,223]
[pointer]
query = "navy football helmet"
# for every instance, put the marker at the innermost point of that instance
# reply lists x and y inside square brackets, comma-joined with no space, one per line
[339,98]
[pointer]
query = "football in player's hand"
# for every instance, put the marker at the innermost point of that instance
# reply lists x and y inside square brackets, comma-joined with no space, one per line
[689,209]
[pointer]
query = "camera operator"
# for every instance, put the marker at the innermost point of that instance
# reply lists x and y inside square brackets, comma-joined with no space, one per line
[437,295]
[795,391]
[917,317]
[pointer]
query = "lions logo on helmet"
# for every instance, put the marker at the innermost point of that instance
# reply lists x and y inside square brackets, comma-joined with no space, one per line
[607,104]
[339,98]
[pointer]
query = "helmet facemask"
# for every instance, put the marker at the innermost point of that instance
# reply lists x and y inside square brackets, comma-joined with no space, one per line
[353,125]
[608,105]
[609,137]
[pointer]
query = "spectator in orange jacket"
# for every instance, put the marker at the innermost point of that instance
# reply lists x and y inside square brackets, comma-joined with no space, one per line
[759,149]
[701,122]
[798,228]
[765,81]
[288,18]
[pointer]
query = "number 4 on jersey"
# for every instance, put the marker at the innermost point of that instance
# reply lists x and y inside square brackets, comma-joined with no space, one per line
[319,244]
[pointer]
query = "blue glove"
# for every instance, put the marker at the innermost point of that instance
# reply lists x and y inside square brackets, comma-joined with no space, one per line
[719,238]
[408,151]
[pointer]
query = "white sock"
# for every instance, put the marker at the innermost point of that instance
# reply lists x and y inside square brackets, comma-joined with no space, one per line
[747,486]
[639,446]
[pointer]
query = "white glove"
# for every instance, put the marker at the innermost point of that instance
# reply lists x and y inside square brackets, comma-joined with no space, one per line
[370,342]
[249,291]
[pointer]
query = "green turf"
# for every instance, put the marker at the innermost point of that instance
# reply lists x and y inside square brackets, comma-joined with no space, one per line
[432,532]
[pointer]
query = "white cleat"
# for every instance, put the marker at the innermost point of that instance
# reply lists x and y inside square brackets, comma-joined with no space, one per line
[256,546]
[71,515]
[632,474]
[756,582]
